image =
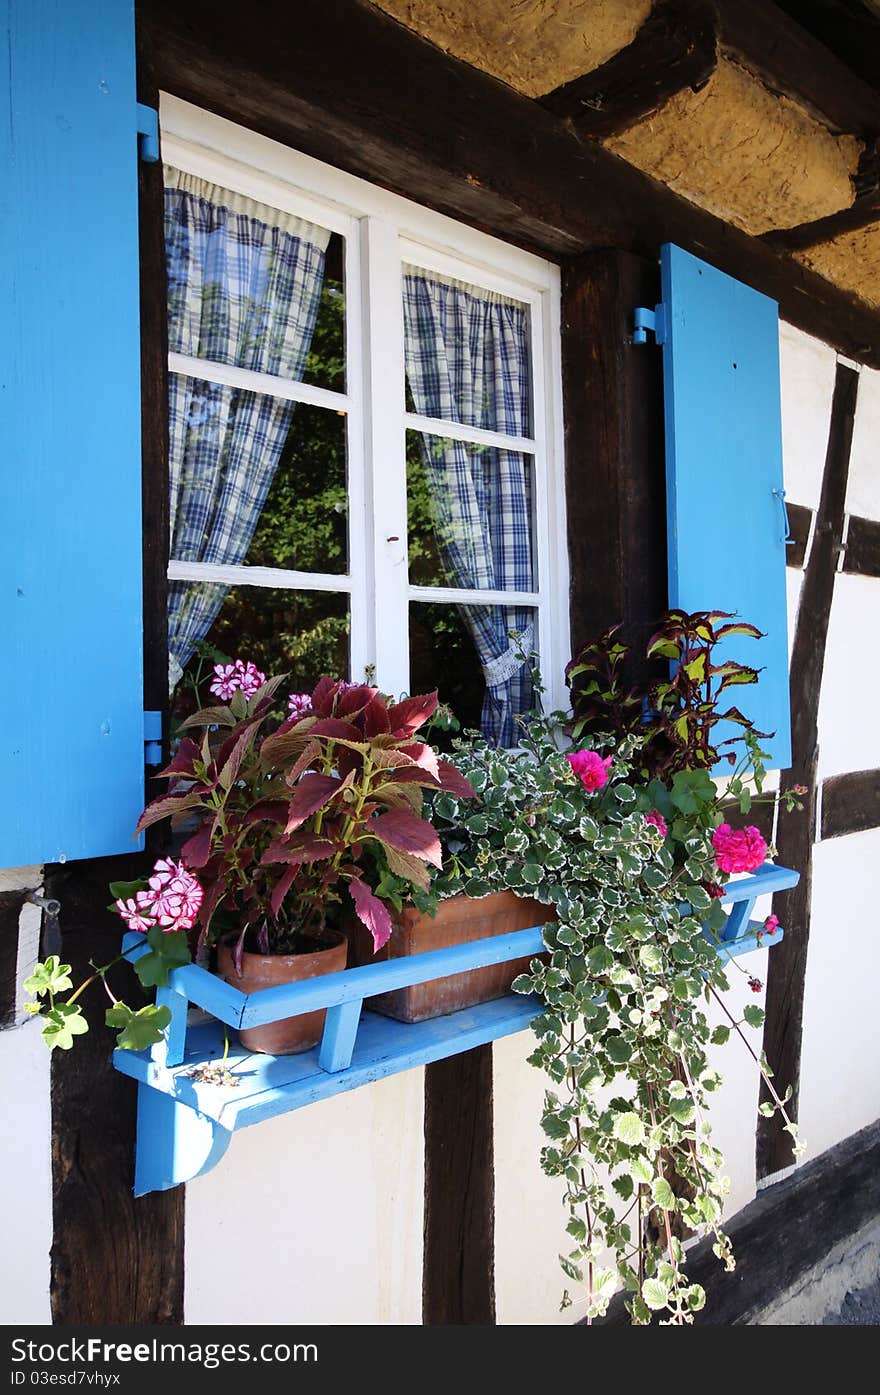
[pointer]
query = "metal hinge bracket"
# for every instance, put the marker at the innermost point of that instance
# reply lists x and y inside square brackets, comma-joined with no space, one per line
[152,738]
[148,133]
[647,322]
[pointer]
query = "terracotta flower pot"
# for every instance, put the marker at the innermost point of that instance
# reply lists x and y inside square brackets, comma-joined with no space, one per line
[289,1035]
[458,921]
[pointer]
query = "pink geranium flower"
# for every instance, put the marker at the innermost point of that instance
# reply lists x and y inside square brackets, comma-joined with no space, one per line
[771,924]
[172,899]
[226,681]
[657,819]
[738,849]
[299,705]
[250,679]
[135,915]
[590,768]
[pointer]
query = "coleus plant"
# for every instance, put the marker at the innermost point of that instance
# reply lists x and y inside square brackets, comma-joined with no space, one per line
[293,816]
[676,715]
[301,816]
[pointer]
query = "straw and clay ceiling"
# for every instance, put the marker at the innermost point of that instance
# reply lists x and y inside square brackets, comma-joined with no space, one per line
[672,88]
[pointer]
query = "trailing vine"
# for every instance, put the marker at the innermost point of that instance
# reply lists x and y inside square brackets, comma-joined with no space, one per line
[630,866]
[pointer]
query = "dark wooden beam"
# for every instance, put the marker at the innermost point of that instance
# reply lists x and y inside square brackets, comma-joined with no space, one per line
[615,464]
[11,903]
[793,62]
[862,555]
[849,28]
[786,1232]
[114,1259]
[674,49]
[799,519]
[341,81]
[859,215]
[459,1252]
[786,975]
[850,803]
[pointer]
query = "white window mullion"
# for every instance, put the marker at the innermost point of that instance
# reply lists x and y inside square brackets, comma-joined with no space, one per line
[386,449]
[472,435]
[362,649]
[288,388]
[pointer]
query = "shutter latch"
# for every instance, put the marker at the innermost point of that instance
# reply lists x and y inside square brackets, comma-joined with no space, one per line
[152,738]
[148,133]
[647,322]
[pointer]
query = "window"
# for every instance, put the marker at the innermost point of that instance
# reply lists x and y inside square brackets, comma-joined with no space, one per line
[364,421]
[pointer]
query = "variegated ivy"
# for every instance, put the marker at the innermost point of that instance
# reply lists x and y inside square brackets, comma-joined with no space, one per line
[630,879]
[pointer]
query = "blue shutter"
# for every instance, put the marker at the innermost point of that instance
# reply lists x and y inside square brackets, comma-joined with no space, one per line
[725,506]
[71,737]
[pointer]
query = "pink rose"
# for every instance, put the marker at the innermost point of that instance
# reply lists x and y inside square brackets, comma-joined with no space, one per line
[657,819]
[771,924]
[738,849]
[590,768]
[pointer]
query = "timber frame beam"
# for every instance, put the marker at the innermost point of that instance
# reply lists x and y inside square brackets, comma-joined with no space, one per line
[675,48]
[469,145]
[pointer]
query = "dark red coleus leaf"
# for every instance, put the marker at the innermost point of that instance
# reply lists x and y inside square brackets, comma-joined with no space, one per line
[424,756]
[310,795]
[165,807]
[268,811]
[372,912]
[197,849]
[335,727]
[302,847]
[323,695]
[375,717]
[355,700]
[281,887]
[408,833]
[407,716]
[184,760]
[454,782]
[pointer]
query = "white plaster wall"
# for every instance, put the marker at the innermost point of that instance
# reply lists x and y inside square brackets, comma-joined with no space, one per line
[863,491]
[316,1216]
[849,732]
[807,368]
[26,1152]
[840,1066]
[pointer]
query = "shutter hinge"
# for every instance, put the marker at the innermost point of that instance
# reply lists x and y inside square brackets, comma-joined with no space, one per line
[647,322]
[152,738]
[148,133]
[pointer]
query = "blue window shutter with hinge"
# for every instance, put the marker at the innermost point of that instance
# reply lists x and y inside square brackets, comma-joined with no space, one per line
[72,735]
[726,522]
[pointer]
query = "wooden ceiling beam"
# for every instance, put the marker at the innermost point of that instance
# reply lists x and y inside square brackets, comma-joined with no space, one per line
[792,62]
[342,82]
[674,49]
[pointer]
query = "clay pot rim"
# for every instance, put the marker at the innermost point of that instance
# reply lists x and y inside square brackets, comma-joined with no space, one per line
[339,938]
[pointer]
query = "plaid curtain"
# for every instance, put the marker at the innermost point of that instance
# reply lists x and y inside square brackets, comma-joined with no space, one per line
[467,360]
[244,285]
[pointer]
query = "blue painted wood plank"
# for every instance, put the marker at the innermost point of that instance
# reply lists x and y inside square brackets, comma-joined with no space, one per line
[170,1051]
[272,1003]
[768,878]
[726,527]
[174,1142]
[70,483]
[738,919]
[340,1033]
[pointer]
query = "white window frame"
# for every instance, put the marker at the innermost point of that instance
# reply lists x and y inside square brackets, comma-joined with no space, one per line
[381,232]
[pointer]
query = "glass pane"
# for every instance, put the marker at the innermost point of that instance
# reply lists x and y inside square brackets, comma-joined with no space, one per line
[468,353]
[471,515]
[304,523]
[256,479]
[468,655]
[251,286]
[301,633]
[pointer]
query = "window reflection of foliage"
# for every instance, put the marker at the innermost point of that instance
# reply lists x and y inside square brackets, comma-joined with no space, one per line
[301,633]
[442,656]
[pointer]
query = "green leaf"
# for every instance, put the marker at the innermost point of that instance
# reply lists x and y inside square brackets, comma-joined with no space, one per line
[167,952]
[696,1298]
[122,891]
[600,960]
[651,957]
[629,1129]
[522,983]
[682,1111]
[720,1036]
[138,1029]
[767,1109]
[624,1186]
[63,1022]
[753,1015]
[655,1294]
[640,1170]
[663,1194]
[618,1049]
[50,976]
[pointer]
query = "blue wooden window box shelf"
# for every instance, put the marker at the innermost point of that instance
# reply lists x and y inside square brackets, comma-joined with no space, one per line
[185,1123]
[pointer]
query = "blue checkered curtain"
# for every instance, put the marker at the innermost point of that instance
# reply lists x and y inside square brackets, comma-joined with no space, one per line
[244,285]
[467,360]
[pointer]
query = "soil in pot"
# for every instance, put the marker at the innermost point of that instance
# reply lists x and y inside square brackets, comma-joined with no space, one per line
[290,1035]
[458,921]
